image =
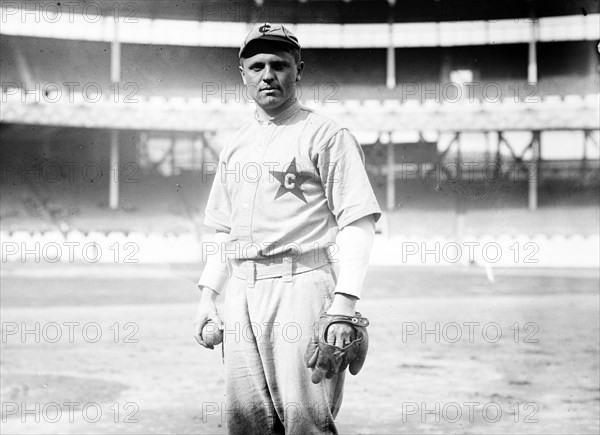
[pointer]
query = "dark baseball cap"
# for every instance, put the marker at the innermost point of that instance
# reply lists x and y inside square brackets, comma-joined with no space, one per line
[270,32]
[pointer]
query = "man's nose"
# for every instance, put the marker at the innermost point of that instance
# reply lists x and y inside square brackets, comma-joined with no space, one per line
[268,75]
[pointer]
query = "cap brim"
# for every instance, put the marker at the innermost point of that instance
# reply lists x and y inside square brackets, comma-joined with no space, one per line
[279,39]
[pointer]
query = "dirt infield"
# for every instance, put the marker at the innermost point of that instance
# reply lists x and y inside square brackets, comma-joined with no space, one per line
[450,353]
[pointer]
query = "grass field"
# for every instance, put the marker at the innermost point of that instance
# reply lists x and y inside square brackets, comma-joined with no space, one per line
[146,374]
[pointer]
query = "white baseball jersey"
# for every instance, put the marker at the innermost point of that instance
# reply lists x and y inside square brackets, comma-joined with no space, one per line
[289,185]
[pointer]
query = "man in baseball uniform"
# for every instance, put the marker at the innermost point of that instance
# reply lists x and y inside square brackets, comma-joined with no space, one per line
[291,188]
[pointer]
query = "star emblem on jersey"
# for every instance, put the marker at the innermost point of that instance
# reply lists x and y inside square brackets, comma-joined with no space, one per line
[290,180]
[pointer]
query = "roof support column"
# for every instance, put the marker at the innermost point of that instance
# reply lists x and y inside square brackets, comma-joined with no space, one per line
[390,80]
[532,68]
[115,77]
[532,78]
[390,173]
[534,169]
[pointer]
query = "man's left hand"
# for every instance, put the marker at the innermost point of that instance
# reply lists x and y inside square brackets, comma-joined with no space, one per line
[341,334]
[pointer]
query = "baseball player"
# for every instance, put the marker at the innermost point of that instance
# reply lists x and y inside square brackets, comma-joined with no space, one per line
[291,188]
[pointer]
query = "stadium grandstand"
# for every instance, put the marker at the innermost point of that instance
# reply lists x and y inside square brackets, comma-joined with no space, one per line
[472,114]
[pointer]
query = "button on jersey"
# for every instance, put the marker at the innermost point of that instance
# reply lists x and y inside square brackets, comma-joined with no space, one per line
[289,185]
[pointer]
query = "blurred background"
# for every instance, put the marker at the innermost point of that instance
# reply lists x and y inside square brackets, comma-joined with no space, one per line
[479,122]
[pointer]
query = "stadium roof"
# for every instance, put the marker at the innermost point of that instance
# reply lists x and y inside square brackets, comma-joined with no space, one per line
[324,11]
[229,34]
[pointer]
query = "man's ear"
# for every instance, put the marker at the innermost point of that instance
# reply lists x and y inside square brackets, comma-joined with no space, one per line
[299,69]
[242,73]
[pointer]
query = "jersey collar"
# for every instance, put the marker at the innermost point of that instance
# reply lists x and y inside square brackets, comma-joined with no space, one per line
[287,113]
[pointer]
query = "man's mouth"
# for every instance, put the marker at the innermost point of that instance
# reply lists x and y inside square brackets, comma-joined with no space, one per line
[269,89]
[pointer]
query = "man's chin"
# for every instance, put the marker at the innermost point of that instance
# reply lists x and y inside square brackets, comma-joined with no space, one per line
[270,102]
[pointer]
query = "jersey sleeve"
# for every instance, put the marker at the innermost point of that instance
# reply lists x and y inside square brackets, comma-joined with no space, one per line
[341,165]
[216,272]
[218,207]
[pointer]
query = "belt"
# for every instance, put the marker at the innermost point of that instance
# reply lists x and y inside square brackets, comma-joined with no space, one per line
[278,266]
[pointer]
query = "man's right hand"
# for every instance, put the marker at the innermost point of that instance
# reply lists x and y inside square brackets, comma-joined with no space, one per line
[207,311]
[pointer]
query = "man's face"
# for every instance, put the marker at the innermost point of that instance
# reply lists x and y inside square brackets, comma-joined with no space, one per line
[271,74]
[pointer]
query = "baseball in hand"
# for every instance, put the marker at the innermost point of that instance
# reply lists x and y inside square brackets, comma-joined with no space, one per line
[212,334]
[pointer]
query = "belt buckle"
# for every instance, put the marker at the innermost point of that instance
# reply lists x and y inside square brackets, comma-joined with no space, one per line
[287,268]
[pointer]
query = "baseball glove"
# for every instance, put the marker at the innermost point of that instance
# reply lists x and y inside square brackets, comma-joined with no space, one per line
[327,360]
